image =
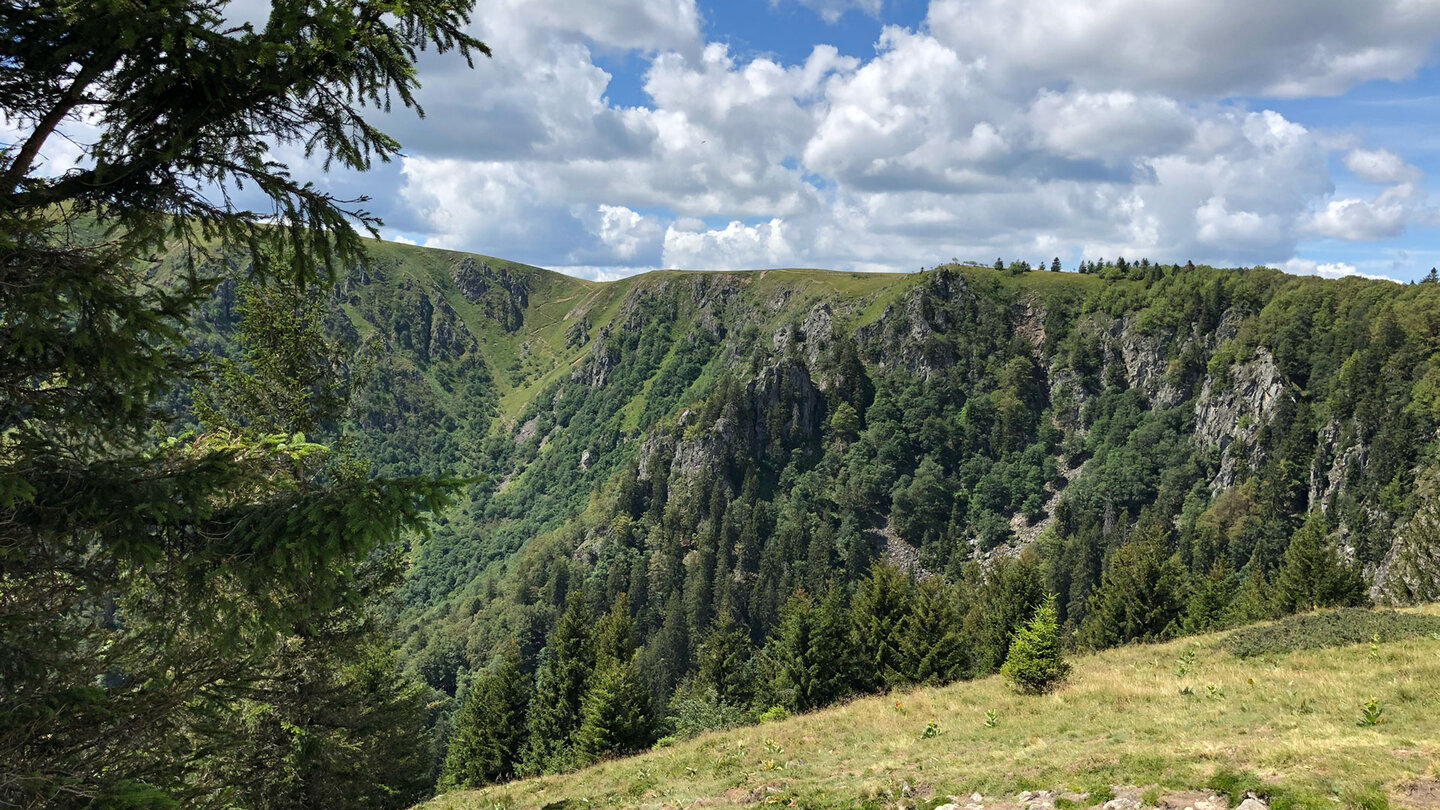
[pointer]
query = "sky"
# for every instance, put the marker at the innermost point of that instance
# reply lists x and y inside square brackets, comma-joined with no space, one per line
[605,138]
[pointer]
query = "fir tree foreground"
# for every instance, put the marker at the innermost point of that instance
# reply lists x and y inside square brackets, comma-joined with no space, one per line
[187,619]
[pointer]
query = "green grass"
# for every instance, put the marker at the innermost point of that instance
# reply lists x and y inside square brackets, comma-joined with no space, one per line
[1285,726]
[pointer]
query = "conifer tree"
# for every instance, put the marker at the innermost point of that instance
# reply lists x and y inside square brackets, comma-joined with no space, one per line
[1035,663]
[878,612]
[203,556]
[1313,574]
[1141,594]
[833,641]
[724,663]
[560,685]
[933,642]
[1210,600]
[1011,592]
[489,731]
[615,635]
[797,671]
[615,715]
[811,650]
[1255,601]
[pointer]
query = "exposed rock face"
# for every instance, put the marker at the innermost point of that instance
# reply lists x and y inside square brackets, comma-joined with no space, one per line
[603,356]
[448,336]
[1410,572]
[784,390]
[1145,364]
[499,294]
[1232,413]
[819,331]
[905,335]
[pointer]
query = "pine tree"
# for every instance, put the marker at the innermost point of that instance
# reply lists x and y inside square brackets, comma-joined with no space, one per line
[878,613]
[555,710]
[724,663]
[1035,663]
[490,729]
[1141,594]
[1313,574]
[1211,599]
[615,715]
[933,642]
[1011,592]
[1055,265]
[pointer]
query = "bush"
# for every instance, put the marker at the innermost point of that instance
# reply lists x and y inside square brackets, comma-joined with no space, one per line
[696,709]
[773,714]
[1328,628]
[1035,664]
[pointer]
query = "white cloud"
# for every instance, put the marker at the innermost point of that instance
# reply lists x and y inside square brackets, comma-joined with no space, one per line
[1384,217]
[735,247]
[1217,48]
[943,144]
[1308,267]
[1380,166]
[832,10]
[625,232]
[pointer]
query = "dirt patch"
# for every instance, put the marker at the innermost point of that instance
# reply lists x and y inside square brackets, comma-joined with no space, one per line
[1191,800]
[1422,794]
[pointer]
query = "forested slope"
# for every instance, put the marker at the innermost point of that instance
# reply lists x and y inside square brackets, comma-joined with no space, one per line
[699,447]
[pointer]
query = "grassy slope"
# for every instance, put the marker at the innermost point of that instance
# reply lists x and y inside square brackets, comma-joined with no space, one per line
[1121,720]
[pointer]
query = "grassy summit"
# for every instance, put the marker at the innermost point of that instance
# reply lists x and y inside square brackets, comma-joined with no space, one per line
[1177,716]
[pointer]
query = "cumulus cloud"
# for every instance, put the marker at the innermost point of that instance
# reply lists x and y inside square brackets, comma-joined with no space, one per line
[735,247]
[1038,128]
[1308,267]
[1385,216]
[1186,49]
[1380,166]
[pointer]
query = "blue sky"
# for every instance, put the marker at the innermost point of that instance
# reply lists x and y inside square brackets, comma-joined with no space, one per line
[609,138]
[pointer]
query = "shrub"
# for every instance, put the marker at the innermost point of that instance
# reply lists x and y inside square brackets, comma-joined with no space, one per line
[1328,628]
[774,713]
[1035,664]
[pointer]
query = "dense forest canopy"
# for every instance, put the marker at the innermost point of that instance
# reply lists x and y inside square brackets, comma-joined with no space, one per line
[762,471]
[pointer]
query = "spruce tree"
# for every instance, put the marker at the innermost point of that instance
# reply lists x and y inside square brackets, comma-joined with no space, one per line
[1313,574]
[203,556]
[615,715]
[724,663]
[560,685]
[1035,663]
[933,641]
[1141,594]
[1011,592]
[797,672]
[1210,602]
[833,642]
[878,612]
[1255,601]
[490,729]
